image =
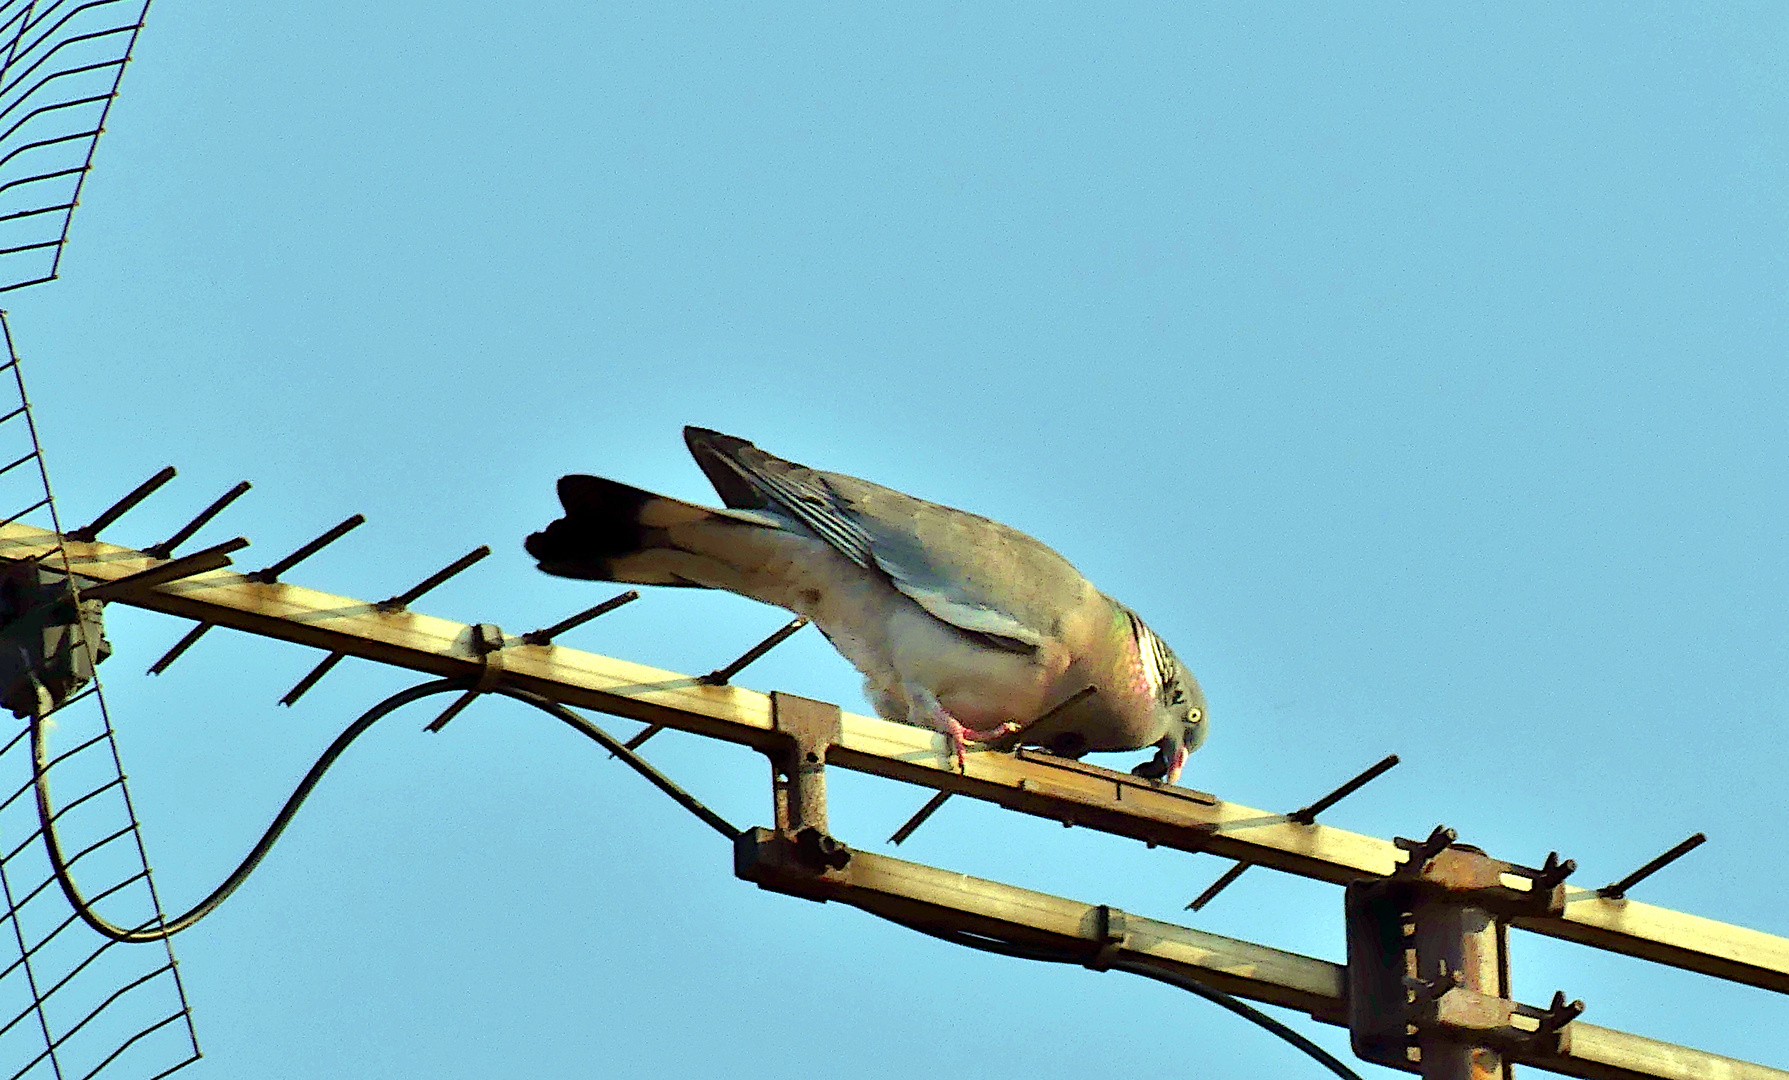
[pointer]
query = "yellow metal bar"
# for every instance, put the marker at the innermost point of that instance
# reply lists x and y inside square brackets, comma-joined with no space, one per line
[1602,1054]
[940,900]
[1030,783]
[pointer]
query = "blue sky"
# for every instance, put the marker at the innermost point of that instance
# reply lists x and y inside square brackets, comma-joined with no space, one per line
[1417,374]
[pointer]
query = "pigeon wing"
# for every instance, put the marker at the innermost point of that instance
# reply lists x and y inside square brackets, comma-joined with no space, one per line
[985,578]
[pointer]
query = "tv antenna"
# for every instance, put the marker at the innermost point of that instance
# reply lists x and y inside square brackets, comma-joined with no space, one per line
[1426,983]
[94,989]
[71,1006]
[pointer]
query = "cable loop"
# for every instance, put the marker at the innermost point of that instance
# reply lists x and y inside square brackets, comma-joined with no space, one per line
[59,864]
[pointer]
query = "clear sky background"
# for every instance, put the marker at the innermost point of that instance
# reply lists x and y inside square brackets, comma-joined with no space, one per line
[1420,376]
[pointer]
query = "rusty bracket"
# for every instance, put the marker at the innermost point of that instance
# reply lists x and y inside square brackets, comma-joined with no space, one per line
[1467,876]
[1444,913]
[1509,1026]
[795,866]
[798,781]
[799,767]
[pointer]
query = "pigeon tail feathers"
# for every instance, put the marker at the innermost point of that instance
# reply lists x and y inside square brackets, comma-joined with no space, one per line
[607,524]
[601,523]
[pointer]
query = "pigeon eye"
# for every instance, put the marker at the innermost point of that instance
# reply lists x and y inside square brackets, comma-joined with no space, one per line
[1193,716]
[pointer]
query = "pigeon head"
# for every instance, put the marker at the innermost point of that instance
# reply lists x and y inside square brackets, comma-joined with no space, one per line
[1179,706]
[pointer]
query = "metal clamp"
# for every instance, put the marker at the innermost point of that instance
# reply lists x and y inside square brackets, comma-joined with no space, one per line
[1493,1021]
[487,644]
[1469,876]
[1111,933]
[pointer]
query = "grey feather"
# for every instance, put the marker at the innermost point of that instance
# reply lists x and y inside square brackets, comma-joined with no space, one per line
[967,570]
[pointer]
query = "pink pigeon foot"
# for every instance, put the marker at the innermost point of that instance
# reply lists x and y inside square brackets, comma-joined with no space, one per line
[961,735]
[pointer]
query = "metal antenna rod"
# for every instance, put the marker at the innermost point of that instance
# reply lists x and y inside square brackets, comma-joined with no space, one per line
[1224,881]
[303,685]
[641,736]
[931,807]
[272,573]
[1018,734]
[395,604]
[546,636]
[88,533]
[10,466]
[192,638]
[487,639]
[38,505]
[265,577]
[722,675]
[408,596]
[166,547]
[1615,890]
[1307,815]
[1304,815]
[914,822]
[212,558]
[458,706]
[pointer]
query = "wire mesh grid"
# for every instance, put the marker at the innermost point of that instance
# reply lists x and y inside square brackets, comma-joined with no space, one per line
[60,65]
[73,1004]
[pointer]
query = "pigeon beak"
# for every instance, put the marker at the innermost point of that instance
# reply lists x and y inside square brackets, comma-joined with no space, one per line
[1178,763]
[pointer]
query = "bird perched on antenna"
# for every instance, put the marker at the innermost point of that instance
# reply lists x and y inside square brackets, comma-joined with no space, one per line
[958,623]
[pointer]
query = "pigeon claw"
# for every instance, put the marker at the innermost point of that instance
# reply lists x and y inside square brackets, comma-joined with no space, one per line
[961,735]
[958,735]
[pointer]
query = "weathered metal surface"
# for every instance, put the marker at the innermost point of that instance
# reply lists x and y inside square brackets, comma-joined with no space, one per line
[798,768]
[1074,793]
[1472,877]
[910,892]
[1457,948]
[1669,937]
[941,900]
[1428,967]
[1601,1054]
